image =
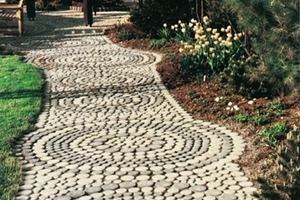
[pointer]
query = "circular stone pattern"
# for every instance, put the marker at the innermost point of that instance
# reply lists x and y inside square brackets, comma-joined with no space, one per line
[110,129]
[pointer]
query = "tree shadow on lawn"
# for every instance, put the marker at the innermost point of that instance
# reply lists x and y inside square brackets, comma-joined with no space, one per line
[20,94]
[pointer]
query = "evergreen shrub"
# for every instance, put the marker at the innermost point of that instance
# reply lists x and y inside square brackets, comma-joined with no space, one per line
[155,13]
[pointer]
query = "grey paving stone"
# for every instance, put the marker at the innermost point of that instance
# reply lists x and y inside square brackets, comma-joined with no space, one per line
[49,192]
[76,193]
[127,178]
[173,190]
[199,188]
[145,183]
[164,184]
[92,190]
[127,184]
[110,186]
[181,186]
[62,198]
[227,197]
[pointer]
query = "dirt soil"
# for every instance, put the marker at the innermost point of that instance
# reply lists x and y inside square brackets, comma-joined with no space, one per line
[209,101]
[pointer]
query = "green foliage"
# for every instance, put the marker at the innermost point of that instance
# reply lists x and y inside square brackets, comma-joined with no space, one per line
[273,33]
[276,106]
[242,118]
[128,32]
[157,43]
[258,120]
[165,33]
[273,134]
[192,67]
[183,32]
[20,101]
[253,120]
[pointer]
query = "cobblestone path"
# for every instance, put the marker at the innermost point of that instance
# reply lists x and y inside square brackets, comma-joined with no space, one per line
[111,130]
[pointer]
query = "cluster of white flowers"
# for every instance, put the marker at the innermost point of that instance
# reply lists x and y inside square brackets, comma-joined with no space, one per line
[251,101]
[217,99]
[232,107]
[178,26]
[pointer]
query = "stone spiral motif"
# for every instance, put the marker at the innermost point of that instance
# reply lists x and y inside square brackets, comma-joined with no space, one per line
[110,130]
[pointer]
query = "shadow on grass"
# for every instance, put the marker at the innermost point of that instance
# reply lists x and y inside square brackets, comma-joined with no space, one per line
[20,94]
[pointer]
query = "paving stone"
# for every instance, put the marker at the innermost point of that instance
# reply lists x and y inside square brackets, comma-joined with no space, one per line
[145,183]
[172,175]
[112,177]
[164,184]
[213,184]
[199,188]
[241,178]
[121,191]
[143,177]
[26,187]
[110,186]
[127,184]
[85,181]
[158,177]
[186,192]
[228,197]
[235,187]
[186,173]
[173,190]
[246,184]
[62,198]
[97,195]
[49,192]
[134,189]
[22,197]
[141,169]
[85,198]
[126,169]
[213,192]
[147,190]
[127,178]
[181,186]
[77,193]
[92,190]
[160,189]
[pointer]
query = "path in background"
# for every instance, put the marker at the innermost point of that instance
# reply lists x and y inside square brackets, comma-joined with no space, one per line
[110,129]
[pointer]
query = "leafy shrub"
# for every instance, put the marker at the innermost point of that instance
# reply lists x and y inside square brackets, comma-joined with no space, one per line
[273,134]
[242,118]
[191,68]
[165,33]
[154,13]
[128,32]
[253,120]
[157,43]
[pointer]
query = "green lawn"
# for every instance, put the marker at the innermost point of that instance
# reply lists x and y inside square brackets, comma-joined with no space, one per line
[21,89]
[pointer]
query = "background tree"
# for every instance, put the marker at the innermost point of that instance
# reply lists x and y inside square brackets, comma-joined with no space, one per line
[273,26]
